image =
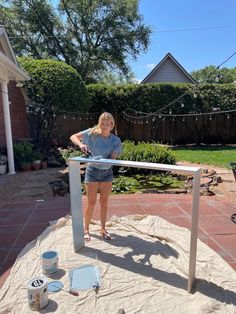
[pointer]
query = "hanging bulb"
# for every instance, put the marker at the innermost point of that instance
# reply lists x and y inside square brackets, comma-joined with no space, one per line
[183,119]
[160,116]
[170,112]
[196,119]
[210,118]
[153,119]
[64,117]
[182,105]
[147,121]
[194,95]
[73,118]
[228,116]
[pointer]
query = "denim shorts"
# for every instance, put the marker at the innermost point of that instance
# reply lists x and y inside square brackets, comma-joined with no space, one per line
[93,174]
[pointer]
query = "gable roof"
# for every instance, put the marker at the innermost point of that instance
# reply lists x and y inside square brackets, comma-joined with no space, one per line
[8,62]
[171,60]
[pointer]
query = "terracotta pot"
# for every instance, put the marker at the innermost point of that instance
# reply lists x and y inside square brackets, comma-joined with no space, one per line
[36,165]
[26,167]
[44,164]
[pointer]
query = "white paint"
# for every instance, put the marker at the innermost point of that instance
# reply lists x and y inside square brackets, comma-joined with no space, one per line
[38,293]
[77,210]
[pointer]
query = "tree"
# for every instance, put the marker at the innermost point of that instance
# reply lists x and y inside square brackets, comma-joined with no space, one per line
[211,74]
[114,78]
[55,87]
[89,35]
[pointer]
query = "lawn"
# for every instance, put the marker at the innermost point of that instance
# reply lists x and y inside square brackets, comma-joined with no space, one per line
[211,155]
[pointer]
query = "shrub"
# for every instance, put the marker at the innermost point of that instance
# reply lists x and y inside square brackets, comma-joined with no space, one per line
[23,153]
[146,152]
[153,96]
[55,87]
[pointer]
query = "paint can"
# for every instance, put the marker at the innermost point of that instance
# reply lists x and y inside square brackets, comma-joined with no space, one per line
[37,293]
[49,263]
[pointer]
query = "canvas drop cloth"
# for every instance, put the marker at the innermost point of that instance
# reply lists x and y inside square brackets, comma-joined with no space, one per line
[144,269]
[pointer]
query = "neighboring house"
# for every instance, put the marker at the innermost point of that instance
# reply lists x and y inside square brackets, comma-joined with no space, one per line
[168,70]
[13,120]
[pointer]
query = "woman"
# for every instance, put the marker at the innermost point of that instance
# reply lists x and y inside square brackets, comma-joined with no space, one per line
[98,141]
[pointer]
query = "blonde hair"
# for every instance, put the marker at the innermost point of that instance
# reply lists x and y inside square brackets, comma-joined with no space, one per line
[97,129]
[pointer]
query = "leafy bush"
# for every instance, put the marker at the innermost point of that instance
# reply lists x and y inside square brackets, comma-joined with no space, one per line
[69,153]
[147,152]
[55,84]
[54,87]
[125,185]
[23,153]
[144,183]
[153,96]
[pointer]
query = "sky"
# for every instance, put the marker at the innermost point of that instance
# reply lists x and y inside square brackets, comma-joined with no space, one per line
[174,24]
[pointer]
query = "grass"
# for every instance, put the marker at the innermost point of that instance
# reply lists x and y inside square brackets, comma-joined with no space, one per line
[212,155]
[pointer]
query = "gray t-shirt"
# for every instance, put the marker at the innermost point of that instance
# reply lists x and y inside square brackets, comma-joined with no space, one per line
[101,146]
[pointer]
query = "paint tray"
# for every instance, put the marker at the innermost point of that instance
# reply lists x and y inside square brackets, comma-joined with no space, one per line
[85,277]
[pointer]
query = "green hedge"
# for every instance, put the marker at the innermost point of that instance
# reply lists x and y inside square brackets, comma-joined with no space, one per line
[151,97]
[56,84]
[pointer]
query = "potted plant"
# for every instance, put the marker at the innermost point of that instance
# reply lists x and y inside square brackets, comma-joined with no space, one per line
[233,167]
[36,165]
[23,155]
[3,164]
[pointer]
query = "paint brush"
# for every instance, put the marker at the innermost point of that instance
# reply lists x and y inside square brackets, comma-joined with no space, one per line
[71,291]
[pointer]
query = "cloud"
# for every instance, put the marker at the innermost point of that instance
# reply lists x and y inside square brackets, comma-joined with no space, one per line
[138,81]
[150,66]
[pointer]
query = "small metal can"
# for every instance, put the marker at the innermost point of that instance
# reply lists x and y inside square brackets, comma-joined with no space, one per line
[49,263]
[38,293]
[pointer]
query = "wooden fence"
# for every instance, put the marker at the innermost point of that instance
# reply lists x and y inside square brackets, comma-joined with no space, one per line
[214,129]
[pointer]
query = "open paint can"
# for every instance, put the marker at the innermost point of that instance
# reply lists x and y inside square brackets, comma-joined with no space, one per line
[37,293]
[49,263]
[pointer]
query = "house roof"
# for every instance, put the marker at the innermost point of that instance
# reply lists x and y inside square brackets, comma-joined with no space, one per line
[179,66]
[9,67]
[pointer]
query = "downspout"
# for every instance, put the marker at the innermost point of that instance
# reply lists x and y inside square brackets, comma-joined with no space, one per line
[7,121]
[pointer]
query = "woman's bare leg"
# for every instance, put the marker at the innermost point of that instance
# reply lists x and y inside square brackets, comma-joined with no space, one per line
[105,190]
[91,192]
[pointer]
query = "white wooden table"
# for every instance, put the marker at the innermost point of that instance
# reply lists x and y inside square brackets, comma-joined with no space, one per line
[77,210]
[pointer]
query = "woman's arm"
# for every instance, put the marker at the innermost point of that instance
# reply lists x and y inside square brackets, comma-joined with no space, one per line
[76,139]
